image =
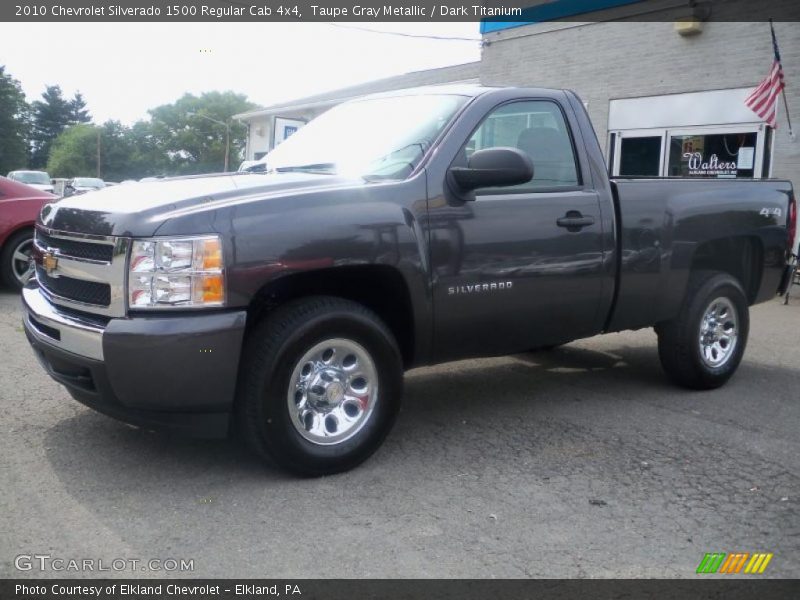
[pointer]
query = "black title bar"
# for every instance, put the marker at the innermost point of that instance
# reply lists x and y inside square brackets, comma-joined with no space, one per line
[733,588]
[517,11]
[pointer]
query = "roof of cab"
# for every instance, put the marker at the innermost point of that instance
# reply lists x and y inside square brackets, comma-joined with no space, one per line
[470,90]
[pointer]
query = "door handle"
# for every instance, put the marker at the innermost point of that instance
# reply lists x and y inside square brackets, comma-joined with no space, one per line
[574,221]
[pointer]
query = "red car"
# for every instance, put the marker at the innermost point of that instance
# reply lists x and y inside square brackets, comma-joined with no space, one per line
[19,206]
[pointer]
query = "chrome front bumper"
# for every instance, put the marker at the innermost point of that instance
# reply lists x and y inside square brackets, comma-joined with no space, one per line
[100,363]
[63,331]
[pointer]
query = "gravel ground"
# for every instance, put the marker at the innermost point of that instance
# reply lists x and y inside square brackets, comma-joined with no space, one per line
[580,462]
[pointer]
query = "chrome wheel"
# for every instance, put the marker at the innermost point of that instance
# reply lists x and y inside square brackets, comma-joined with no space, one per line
[20,260]
[719,332]
[332,391]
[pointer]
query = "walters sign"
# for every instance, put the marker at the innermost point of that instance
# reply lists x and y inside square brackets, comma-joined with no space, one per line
[712,166]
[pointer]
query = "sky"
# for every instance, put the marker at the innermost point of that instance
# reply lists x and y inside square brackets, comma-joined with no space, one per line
[124,69]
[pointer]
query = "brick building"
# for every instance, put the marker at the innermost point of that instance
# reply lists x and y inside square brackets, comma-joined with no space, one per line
[654,95]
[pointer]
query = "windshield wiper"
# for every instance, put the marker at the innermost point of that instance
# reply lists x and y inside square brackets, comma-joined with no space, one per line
[321,168]
[423,146]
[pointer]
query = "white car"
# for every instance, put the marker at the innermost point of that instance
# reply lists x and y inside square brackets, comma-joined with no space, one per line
[253,166]
[86,184]
[37,179]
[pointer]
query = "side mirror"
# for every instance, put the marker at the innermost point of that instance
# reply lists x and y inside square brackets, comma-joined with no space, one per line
[493,167]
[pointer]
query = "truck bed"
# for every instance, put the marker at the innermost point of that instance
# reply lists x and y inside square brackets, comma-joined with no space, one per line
[668,225]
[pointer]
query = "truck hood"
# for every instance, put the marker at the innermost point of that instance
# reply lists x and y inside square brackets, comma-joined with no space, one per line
[140,209]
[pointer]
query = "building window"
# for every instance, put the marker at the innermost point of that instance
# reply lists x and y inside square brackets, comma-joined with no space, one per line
[721,152]
[640,156]
[766,167]
[714,155]
[693,134]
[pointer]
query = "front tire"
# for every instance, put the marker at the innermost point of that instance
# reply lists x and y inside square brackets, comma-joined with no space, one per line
[320,386]
[702,347]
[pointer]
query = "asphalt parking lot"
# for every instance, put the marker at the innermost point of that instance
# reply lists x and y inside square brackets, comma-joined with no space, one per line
[581,462]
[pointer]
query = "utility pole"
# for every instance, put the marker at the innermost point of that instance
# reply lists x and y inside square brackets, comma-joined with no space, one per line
[227,144]
[98,154]
[227,126]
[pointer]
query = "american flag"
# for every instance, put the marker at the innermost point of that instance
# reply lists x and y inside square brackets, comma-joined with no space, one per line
[764,99]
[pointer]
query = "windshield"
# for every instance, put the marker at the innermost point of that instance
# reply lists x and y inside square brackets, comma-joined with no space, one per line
[91,182]
[32,177]
[379,138]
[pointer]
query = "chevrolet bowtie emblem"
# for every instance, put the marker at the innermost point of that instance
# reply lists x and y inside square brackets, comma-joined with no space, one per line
[49,262]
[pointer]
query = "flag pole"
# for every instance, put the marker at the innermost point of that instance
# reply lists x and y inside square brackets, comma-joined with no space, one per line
[783,87]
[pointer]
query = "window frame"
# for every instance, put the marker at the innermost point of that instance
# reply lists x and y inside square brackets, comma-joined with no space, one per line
[619,136]
[752,128]
[762,153]
[662,150]
[513,190]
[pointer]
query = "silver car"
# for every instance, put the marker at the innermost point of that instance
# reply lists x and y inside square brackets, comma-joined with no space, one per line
[37,179]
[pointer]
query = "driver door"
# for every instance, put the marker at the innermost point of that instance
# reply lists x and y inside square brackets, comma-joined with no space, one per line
[514,269]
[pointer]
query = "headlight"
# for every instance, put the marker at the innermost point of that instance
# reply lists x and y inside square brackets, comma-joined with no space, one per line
[176,273]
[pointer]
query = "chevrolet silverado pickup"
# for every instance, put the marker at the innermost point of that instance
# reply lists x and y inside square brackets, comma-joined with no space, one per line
[398,230]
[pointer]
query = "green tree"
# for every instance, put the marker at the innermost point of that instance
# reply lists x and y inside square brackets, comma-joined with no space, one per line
[124,152]
[52,115]
[74,152]
[131,152]
[150,157]
[178,139]
[117,151]
[193,141]
[14,113]
[78,111]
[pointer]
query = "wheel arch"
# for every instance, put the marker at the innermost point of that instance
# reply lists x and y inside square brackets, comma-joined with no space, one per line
[7,274]
[381,288]
[17,229]
[742,257]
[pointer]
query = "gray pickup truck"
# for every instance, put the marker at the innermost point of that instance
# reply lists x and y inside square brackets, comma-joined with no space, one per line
[394,231]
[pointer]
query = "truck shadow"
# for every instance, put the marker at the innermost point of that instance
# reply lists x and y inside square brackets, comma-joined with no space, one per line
[114,449]
[528,378]
[565,424]
[632,364]
[94,447]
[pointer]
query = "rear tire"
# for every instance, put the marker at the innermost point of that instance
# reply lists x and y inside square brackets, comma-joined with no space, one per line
[320,386]
[12,266]
[702,347]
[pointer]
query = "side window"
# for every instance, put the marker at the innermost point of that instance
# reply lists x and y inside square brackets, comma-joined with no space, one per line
[536,127]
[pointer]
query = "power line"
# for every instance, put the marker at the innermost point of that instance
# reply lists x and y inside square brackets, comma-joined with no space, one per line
[406,35]
[394,33]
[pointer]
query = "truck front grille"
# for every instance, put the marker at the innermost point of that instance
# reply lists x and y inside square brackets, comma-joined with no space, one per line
[84,273]
[74,248]
[77,290]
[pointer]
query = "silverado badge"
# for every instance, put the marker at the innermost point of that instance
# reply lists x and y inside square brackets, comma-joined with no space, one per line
[49,262]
